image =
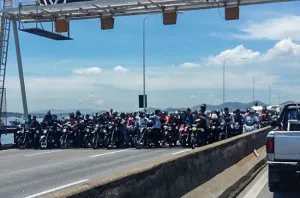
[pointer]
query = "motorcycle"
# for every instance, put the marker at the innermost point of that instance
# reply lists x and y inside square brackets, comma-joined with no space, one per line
[142,137]
[249,125]
[67,137]
[194,140]
[27,137]
[238,128]
[49,137]
[224,134]
[213,134]
[99,136]
[169,132]
[113,136]
[87,136]
[184,132]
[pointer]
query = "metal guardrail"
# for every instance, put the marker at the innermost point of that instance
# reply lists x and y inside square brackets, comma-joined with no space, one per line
[4,130]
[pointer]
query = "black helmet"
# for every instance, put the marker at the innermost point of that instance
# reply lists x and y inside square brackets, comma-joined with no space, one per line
[71,115]
[78,113]
[203,106]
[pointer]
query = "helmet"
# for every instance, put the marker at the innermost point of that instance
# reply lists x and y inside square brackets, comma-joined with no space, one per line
[203,106]
[252,111]
[78,113]
[214,116]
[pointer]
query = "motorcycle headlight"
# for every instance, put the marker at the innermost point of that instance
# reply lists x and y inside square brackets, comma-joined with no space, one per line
[194,129]
[64,130]
[213,127]
[87,130]
[45,131]
[165,127]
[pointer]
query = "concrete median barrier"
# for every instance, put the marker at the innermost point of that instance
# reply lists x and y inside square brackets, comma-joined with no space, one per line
[174,176]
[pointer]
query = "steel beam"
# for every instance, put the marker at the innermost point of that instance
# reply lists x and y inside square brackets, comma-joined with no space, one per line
[20,67]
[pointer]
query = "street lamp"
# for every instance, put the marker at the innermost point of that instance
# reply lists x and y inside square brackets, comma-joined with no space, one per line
[253,98]
[224,62]
[279,91]
[144,58]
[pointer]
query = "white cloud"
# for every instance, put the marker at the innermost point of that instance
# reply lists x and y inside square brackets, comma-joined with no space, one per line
[272,29]
[190,65]
[120,69]
[285,47]
[83,90]
[87,71]
[236,55]
[286,50]
[99,102]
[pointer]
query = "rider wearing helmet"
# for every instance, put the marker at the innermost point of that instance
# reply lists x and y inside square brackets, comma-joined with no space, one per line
[228,119]
[188,117]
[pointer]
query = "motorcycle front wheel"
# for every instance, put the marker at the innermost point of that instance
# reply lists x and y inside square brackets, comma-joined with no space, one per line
[139,141]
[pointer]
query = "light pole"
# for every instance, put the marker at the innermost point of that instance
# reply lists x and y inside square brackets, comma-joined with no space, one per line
[253,81]
[279,91]
[144,61]
[224,63]
[144,58]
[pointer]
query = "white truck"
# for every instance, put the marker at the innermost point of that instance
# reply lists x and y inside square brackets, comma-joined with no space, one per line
[283,148]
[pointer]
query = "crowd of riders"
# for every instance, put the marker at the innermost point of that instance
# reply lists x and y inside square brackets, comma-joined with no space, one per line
[158,129]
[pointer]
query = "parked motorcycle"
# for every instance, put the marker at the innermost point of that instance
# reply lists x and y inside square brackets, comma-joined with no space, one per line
[50,137]
[67,137]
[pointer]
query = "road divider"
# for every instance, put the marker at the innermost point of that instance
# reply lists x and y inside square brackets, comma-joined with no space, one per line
[174,176]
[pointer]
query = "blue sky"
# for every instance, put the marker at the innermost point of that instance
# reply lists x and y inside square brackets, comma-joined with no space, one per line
[103,69]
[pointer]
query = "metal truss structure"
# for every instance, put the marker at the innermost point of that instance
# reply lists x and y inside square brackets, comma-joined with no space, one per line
[39,12]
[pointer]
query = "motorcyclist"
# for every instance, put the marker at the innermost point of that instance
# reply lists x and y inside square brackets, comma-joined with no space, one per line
[238,118]
[142,120]
[80,126]
[251,118]
[188,117]
[214,122]
[48,119]
[123,127]
[87,119]
[203,122]
[265,117]
[228,119]
[156,134]
[28,120]
[34,123]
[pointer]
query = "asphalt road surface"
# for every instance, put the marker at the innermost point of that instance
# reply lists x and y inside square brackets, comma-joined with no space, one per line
[258,188]
[34,173]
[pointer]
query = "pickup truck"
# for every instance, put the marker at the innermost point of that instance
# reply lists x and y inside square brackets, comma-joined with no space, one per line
[283,148]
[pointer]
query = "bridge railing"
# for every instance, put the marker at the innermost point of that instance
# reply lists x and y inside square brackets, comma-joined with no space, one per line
[4,130]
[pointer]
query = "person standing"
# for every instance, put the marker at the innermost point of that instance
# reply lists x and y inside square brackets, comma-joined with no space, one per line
[156,131]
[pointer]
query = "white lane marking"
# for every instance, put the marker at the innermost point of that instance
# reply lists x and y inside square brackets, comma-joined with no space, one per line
[181,151]
[109,153]
[57,188]
[258,186]
[43,153]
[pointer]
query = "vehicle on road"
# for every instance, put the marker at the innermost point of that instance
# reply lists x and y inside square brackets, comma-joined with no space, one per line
[283,148]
